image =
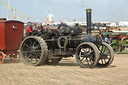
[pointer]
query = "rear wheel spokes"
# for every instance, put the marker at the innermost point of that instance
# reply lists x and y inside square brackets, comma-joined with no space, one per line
[32,51]
[33,58]
[37,47]
[38,54]
[27,46]
[27,56]
[26,52]
[30,41]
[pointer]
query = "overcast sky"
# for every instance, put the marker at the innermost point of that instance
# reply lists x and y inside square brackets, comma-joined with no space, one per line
[102,10]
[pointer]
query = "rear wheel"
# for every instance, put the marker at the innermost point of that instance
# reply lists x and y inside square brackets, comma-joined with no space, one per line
[106,55]
[87,55]
[33,50]
[2,57]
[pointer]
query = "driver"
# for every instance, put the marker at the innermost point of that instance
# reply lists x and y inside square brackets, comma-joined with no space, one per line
[29,29]
[40,27]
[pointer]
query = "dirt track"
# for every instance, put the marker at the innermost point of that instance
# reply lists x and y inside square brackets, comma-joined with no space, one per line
[67,72]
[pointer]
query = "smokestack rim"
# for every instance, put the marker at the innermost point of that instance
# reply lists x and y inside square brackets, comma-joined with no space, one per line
[88,10]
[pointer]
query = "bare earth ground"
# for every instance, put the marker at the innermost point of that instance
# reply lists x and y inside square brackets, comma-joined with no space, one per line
[67,72]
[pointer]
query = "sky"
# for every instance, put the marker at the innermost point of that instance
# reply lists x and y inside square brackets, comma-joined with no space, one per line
[102,10]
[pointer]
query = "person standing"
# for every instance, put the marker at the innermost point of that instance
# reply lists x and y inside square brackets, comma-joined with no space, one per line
[107,39]
[40,27]
[34,27]
[29,30]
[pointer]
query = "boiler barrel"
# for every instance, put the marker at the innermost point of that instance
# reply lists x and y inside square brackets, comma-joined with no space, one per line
[96,39]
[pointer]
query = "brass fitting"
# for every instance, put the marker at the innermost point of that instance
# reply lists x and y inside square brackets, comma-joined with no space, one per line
[88,10]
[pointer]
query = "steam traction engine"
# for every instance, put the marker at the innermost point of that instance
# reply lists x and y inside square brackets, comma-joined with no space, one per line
[51,45]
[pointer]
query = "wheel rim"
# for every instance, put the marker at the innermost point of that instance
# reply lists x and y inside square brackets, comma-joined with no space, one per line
[86,56]
[1,58]
[106,55]
[31,51]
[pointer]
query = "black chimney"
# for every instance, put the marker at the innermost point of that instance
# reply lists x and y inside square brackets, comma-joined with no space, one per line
[88,16]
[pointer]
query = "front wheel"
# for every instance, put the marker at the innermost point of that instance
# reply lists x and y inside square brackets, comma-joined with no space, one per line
[87,55]
[106,55]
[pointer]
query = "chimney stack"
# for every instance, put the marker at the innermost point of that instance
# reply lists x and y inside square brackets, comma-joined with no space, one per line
[88,16]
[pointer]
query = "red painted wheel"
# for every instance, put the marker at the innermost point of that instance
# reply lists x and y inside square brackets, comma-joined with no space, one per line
[2,56]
